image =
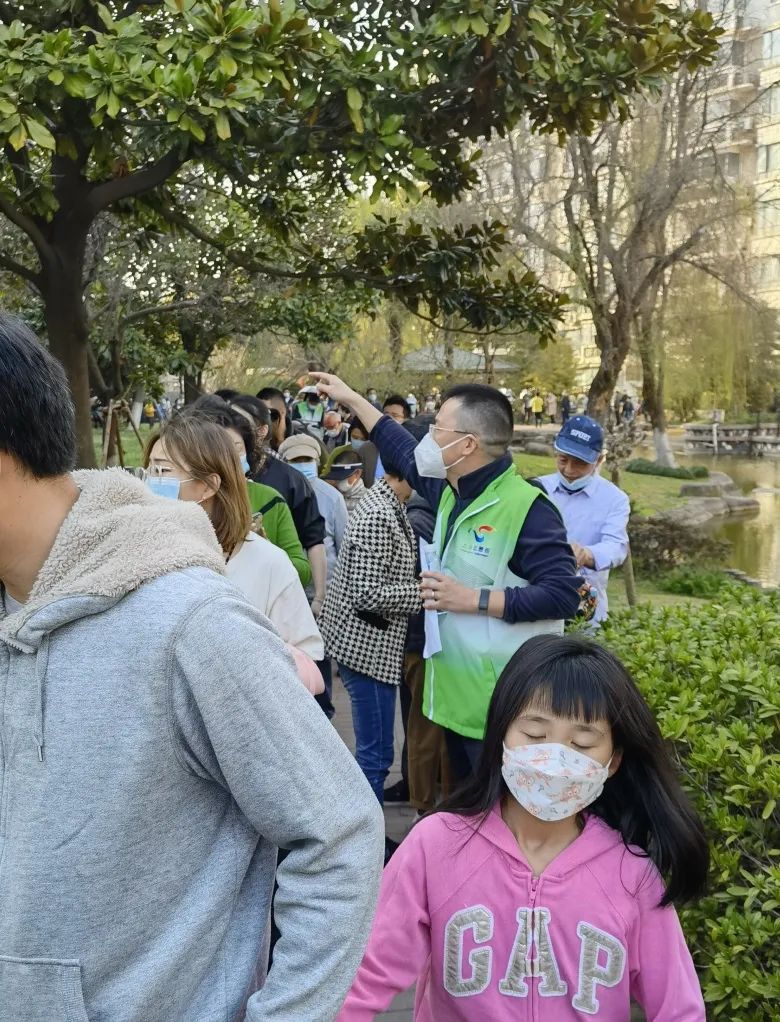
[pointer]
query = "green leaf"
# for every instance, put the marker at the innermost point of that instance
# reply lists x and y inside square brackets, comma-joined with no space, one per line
[357,120]
[422,159]
[56,77]
[41,135]
[354,99]
[18,137]
[114,105]
[223,126]
[227,65]
[503,25]
[769,808]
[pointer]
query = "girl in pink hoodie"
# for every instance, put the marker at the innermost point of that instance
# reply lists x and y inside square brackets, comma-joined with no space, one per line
[514,902]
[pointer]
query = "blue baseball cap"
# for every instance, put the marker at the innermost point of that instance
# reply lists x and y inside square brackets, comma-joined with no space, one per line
[581,437]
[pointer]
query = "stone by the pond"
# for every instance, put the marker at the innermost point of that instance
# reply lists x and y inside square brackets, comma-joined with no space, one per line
[717,484]
[537,447]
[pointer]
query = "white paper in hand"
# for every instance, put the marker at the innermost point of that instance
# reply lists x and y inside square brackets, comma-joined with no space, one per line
[429,561]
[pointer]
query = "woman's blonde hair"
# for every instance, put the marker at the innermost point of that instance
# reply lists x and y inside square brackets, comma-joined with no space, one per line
[203,449]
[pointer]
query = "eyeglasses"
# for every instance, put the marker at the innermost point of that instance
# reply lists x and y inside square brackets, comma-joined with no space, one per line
[445,429]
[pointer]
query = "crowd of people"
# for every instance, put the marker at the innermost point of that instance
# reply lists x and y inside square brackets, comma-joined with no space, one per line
[169,644]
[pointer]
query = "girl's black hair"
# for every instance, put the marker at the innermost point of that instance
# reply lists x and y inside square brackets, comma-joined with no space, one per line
[571,676]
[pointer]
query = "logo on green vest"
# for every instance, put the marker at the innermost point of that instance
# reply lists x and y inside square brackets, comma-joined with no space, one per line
[480,535]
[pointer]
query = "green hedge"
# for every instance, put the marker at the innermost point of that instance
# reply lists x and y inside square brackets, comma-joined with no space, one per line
[686,580]
[712,674]
[642,466]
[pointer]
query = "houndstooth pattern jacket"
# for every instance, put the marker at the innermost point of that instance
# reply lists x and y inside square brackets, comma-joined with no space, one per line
[374,576]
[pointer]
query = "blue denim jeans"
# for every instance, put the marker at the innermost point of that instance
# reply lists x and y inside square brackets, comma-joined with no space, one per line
[373,720]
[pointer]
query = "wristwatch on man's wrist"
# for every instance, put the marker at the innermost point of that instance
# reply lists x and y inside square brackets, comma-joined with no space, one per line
[484,601]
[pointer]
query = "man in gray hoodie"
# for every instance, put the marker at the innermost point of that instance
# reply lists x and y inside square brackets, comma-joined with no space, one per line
[155,748]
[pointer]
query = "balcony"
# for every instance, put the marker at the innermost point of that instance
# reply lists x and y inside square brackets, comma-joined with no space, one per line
[738,133]
[736,79]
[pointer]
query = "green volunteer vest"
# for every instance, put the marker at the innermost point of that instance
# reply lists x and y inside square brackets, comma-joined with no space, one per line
[459,681]
[312,416]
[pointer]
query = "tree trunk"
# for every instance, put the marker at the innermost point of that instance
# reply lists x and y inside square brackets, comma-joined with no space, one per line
[449,353]
[628,564]
[96,380]
[193,385]
[613,342]
[396,342]
[653,392]
[490,361]
[66,326]
[199,352]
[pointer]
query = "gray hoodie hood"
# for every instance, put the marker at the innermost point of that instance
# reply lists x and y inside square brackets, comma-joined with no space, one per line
[117,536]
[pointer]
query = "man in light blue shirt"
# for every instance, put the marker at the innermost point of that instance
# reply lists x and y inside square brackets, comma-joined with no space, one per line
[595,511]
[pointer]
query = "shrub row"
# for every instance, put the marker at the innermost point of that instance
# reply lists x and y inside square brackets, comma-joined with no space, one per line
[711,673]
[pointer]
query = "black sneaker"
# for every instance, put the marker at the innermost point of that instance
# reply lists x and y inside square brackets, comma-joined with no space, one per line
[390,847]
[398,792]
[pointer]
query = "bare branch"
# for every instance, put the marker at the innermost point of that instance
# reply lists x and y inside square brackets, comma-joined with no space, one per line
[743,296]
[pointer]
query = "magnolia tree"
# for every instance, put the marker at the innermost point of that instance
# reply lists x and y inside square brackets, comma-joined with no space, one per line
[118,105]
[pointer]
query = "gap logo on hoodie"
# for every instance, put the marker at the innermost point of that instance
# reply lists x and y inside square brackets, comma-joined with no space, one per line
[470,966]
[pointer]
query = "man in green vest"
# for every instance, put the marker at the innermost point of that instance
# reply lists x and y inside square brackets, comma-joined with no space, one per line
[309,409]
[500,568]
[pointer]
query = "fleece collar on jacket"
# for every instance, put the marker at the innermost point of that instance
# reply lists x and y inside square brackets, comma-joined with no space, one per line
[117,536]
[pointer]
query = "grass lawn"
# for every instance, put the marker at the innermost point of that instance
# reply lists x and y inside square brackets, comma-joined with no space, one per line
[649,494]
[646,592]
[130,445]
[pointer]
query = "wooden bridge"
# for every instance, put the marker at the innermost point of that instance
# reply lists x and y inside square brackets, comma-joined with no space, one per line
[754,441]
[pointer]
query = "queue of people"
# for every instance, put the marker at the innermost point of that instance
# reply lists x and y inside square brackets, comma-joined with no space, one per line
[163,768]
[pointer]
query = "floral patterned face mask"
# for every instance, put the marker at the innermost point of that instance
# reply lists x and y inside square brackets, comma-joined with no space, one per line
[551,780]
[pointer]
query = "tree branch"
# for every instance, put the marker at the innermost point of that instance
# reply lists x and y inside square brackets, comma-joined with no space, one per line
[12,266]
[152,310]
[26,224]
[743,296]
[144,180]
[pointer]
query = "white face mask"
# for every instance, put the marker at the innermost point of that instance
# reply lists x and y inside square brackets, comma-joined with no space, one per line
[348,488]
[429,457]
[552,781]
[575,485]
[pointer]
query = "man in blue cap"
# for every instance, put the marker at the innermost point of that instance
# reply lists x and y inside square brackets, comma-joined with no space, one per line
[594,510]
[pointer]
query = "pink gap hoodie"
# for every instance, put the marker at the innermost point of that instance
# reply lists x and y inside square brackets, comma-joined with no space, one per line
[461,914]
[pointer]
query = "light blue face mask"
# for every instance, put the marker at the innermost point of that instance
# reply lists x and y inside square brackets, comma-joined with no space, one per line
[306,468]
[574,486]
[161,486]
[245,465]
[356,444]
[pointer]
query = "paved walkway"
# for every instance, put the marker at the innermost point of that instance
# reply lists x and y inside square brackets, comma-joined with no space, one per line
[398,819]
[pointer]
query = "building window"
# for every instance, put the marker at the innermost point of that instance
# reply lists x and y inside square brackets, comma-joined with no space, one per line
[768,158]
[729,164]
[770,102]
[767,218]
[769,270]
[771,51]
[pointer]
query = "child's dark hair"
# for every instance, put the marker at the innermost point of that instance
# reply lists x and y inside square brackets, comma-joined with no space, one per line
[572,676]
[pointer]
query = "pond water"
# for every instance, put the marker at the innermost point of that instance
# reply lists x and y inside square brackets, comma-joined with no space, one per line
[755,541]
